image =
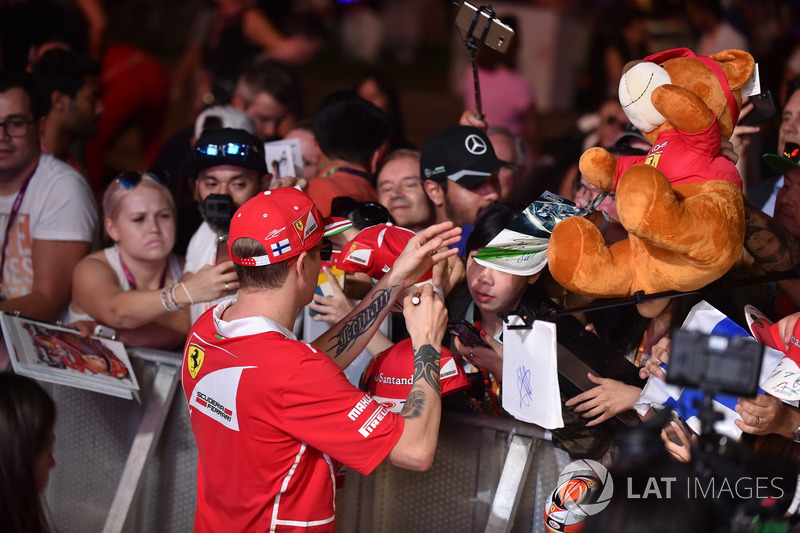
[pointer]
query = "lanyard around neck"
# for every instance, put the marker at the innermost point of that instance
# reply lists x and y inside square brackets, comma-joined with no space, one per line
[132,282]
[12,216]
[347,170]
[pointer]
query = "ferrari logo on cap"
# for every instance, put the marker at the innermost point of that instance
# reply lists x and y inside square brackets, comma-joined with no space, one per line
[194,359]
[299,225]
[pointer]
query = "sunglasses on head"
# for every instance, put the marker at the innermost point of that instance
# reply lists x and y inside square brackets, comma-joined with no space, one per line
[131,178]
[235,150]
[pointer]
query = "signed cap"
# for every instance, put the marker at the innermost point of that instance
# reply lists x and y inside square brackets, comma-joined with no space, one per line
[389,376]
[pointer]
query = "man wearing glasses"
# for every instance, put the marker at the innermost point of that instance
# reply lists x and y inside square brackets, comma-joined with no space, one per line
[227,168]
[47,211]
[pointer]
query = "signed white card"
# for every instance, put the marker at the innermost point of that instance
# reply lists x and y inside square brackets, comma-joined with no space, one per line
[284,158]
[530,374]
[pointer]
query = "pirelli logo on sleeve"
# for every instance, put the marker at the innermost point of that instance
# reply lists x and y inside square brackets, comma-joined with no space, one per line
[374,418]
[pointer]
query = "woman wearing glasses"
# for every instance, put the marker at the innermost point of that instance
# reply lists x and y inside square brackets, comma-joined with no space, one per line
[134,286]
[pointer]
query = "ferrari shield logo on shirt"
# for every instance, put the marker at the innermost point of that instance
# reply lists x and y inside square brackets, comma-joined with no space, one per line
[194,359]
[215,396]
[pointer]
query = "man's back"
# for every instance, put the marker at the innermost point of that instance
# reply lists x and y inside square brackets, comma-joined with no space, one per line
[252,392]
[340,182]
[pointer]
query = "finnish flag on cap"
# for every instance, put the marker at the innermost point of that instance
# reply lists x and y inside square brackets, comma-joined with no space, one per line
[281,247]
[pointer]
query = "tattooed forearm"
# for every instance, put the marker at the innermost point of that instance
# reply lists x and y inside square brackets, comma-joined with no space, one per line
[426,366]
[360,323]
[414,405]
[426,369]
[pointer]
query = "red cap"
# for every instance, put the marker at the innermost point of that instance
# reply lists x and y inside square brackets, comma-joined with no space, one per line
[285,221]
[375,249]
[390,375]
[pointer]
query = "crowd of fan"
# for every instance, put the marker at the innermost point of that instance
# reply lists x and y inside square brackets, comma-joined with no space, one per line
[155,256]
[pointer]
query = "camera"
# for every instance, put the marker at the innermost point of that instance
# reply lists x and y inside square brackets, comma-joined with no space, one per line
[715,364]
[217,210]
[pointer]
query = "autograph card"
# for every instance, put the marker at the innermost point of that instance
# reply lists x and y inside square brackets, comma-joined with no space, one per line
[284,158]
[530,374]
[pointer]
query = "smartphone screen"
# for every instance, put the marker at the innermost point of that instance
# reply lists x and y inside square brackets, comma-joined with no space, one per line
[466,332]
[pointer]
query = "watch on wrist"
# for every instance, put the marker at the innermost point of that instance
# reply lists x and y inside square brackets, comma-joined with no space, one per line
[796,437]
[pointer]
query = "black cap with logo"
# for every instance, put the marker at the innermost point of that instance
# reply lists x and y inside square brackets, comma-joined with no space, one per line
[462,154]
[225,146]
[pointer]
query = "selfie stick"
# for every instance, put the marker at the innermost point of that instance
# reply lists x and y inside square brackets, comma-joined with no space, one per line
[472,42]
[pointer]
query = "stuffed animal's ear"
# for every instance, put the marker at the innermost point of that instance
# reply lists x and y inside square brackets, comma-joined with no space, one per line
[738,66]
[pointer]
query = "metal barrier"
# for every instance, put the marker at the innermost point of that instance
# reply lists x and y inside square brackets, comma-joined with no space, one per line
[124,466]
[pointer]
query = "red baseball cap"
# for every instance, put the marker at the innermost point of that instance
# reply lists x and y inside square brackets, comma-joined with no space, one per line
[375,249]
[390,375]
[285,221]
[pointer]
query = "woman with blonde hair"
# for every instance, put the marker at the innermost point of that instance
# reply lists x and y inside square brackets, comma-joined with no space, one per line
[134,286]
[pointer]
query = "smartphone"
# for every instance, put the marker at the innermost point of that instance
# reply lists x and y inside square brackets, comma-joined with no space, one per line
[498,36]
[763,109]
[466,332]
[675,417]
[223,254]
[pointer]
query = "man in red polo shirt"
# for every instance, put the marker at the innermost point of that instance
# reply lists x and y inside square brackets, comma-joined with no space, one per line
[271,414]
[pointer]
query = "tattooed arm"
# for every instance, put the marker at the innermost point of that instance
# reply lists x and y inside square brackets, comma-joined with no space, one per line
[348,337]
[426,323]
[772,247]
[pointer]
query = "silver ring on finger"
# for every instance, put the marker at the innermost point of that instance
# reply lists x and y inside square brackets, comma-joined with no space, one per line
[226,285]
[758,420]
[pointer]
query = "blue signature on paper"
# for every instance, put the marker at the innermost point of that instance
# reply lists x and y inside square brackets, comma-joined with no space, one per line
[524,386]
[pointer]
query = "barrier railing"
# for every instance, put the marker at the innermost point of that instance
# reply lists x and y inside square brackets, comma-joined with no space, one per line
[124,466]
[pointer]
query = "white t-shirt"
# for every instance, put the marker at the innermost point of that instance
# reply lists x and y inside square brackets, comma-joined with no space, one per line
[202,251]
[58,206]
